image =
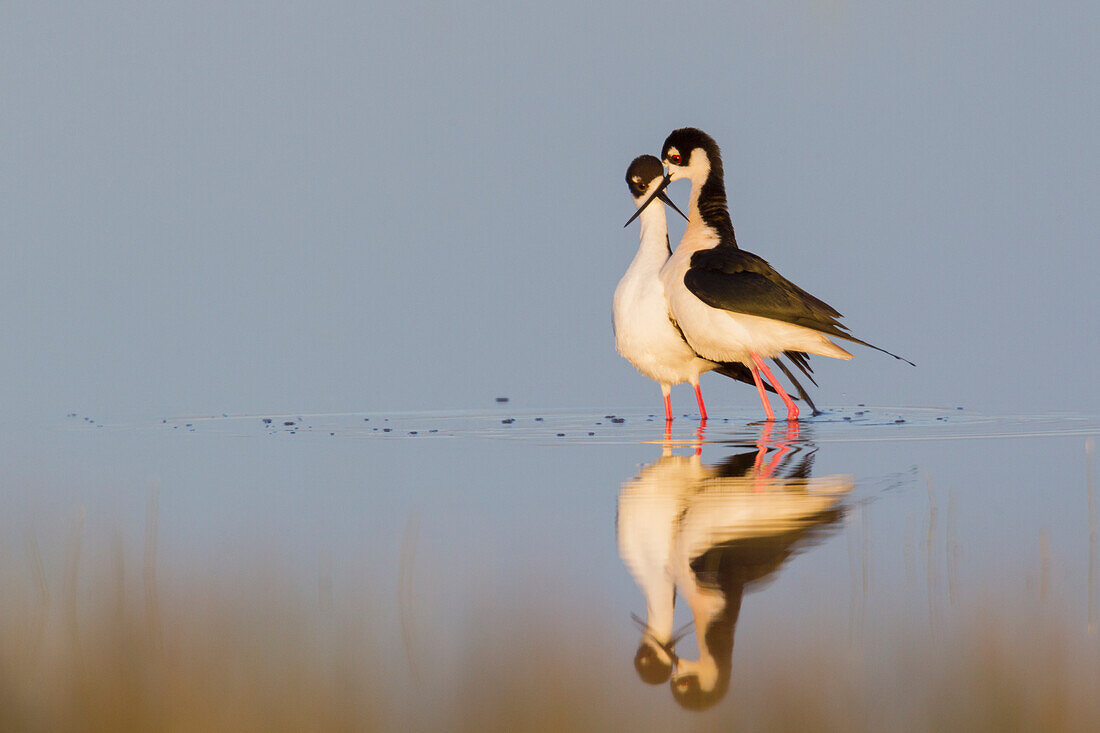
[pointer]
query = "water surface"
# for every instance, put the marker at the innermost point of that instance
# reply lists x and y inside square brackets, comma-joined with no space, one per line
[873,565]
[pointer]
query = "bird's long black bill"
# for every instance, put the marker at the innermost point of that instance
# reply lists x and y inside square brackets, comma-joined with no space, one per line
[664,197]
[660,189]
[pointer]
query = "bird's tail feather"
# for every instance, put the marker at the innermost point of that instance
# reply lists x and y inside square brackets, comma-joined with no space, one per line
[861,342]
[801,392]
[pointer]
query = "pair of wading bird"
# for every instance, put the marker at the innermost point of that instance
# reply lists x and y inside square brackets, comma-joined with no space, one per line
[711,305]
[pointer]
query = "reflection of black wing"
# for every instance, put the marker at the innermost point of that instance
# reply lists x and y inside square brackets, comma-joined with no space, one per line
[736,465]
[739,562]
[741,282]
[739,465]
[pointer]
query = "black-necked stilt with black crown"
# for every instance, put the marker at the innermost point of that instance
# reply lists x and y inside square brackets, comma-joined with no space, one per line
[731,305]
[646,335]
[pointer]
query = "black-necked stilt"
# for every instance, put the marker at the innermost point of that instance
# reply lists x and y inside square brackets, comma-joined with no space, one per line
[646,335]
[731,305]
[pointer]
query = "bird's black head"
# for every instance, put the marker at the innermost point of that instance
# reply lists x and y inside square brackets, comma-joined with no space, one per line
[680,151]
[691,153]
[642,172]
[652,667]
[647,181]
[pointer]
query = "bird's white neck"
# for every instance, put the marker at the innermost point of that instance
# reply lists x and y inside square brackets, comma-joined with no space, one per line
[653,248]
[697,229]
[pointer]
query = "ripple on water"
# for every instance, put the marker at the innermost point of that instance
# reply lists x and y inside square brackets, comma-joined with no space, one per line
[580,427]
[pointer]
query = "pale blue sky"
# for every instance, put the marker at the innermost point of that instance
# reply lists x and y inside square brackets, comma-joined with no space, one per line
[337,206]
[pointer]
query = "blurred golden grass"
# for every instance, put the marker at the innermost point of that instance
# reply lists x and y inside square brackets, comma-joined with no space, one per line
[133,651]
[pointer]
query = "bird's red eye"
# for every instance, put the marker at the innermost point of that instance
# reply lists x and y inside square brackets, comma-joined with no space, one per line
[674,159]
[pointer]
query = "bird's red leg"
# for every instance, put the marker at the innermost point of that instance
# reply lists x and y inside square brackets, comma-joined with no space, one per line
[699,399]
[760,389]
[668,408]
[792,408]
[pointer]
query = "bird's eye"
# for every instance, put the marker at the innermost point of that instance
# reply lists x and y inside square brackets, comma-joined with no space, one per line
[674,159]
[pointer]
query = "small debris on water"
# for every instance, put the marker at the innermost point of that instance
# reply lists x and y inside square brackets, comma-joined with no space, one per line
[561,435]
[618,419]
[502,399]
[332,433]
[847,418]
[508,420]
[591,433]
[538,419]
[267,421]
[899,420]
[412,432]
[386,430]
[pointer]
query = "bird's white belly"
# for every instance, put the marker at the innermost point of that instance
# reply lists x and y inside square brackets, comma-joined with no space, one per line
[646,337]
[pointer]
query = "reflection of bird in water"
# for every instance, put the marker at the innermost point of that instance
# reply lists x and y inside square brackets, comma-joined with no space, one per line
[650,506]
[711,532]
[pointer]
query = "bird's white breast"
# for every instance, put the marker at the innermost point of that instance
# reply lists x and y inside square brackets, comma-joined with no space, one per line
[644,335]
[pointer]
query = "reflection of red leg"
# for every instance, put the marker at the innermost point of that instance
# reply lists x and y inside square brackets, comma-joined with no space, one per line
[774,462]
[668,408]
[699,399]
[792,408]
[699,437]
[760,389]
[762,447]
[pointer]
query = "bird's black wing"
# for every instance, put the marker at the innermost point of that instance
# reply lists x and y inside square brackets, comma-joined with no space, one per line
[741,282]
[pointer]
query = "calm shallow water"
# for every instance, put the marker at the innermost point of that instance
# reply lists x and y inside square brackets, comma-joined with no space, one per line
[876,565]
